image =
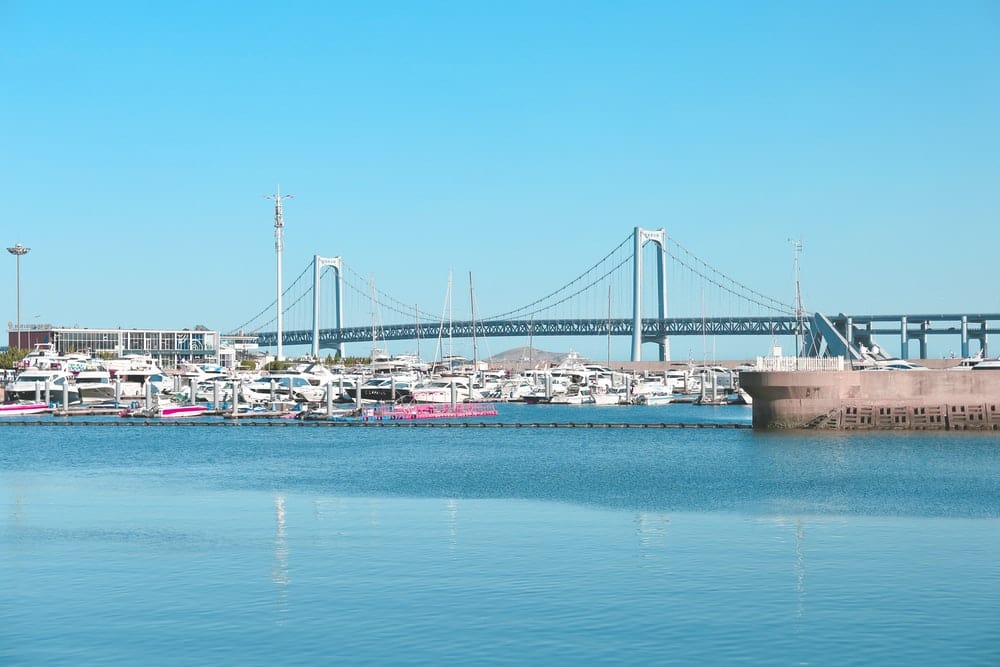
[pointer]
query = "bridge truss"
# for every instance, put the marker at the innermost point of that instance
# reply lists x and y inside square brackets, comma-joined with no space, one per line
[653,329]
[849,329]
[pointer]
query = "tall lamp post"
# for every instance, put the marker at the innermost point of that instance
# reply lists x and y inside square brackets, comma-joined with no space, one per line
[279,226]
[18,251]
[797,250]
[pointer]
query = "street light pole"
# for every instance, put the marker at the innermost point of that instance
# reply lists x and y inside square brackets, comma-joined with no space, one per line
[279,226]
[797,250]
[18,251]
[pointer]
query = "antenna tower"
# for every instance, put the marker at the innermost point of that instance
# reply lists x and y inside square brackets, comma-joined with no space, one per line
[279,227]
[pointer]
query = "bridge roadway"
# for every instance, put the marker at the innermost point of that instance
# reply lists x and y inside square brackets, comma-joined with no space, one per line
[652,329]
[974,326]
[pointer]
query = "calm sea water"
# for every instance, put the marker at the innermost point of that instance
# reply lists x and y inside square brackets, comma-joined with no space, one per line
[256,545]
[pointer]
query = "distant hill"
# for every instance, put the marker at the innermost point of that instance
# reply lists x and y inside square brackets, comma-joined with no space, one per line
[526,354]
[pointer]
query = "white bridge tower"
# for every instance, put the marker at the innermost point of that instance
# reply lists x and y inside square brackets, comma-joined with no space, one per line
[659,237]
[338,265]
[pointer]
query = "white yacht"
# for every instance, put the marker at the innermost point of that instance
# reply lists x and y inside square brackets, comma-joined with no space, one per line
[294,386]
[613,395]
[44,356]
[512,389]
[546,389]
[441,390]
[575,394]
[94,384]
[651,391]
[131,373]
[32,384]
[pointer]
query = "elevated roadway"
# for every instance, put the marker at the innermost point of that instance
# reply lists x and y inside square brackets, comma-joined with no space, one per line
[856,328]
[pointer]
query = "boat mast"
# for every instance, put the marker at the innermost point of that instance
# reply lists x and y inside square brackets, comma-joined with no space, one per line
[531,333]
[439,349]
[371,284]
[416,315]
[609,326]
[451,312]
[475,348]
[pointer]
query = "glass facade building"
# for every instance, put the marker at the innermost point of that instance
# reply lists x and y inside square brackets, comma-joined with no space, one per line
[168,346]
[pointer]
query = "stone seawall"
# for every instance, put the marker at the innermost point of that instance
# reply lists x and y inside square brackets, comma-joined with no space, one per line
[875,400]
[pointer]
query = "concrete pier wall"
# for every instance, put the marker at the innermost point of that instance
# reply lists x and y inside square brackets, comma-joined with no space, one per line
[863,400]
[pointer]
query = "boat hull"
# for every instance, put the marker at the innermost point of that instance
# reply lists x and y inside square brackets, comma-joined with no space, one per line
[166,411]
[183,411]
[19,409]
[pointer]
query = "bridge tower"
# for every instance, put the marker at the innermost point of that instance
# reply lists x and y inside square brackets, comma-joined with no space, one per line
[659,237]
[338,265]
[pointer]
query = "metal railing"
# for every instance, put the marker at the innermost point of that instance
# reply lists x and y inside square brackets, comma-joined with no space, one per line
[799,364]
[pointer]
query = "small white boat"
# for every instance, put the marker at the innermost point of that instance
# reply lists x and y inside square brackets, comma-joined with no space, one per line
[18,409]
[575,394]
[651,392]
[604,395]
[654,398]
[969,362]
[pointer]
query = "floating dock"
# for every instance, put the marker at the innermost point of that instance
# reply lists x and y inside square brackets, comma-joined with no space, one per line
[412,411]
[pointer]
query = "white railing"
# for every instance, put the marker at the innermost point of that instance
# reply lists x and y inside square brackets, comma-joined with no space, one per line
[799,364]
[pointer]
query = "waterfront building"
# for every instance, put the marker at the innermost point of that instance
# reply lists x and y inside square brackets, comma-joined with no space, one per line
[168,347]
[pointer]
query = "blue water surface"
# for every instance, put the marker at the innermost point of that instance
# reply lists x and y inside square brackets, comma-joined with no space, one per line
[264,545]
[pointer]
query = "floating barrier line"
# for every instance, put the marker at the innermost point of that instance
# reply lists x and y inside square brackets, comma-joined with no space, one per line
[249,421]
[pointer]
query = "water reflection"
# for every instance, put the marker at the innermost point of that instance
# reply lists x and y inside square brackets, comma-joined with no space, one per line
[452,509]
[799,562]
[279,570]
[800,567]
[17,512]
[651,531]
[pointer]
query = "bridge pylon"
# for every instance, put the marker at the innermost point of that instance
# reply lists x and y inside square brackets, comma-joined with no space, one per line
[659,237]
[338,265]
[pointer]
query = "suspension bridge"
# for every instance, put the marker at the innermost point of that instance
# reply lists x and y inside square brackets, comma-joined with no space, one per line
[625,293]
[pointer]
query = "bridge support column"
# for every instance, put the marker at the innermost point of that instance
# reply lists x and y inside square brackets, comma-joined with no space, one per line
[641,237]
[965,337]
[318,264]
[904,341]
[663,342]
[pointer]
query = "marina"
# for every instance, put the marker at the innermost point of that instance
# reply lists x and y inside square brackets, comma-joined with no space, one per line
[873,392]
[500,334]
[389,389]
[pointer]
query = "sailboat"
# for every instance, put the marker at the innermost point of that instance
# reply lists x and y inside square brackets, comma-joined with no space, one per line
[711,393]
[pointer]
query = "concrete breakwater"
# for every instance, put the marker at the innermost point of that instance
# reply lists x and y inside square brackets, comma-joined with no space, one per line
[957,400]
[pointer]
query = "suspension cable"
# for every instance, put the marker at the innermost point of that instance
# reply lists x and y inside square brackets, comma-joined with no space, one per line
[295,282]
[566,286]
[762,299]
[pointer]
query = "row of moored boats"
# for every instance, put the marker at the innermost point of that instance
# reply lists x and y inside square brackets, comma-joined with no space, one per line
[136,383]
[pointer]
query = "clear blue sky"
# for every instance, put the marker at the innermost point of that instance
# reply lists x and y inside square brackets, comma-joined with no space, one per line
[494,137]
